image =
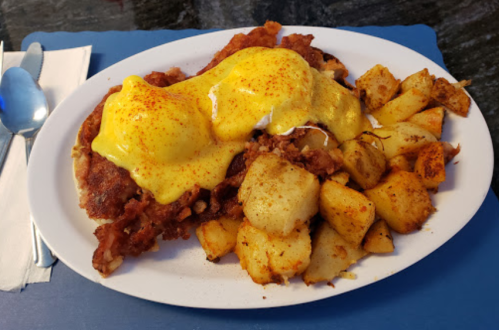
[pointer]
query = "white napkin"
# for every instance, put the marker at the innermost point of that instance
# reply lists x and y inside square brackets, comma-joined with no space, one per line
[63,71]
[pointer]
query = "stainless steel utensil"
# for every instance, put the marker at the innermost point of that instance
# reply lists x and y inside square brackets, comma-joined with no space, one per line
[23,111]
[32,62]
[5,134]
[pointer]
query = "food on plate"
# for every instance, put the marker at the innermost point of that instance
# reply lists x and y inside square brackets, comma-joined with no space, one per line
[377,87]
[348,211]
[268,153]
[331,255]
[401,108]
[318,139]
[430,165]
[162,140]
[278,196]
[402,200]
[400,163]
[450,96]
[272,258]
[218,237]
[401,139]
[341,177]
[431,120]
[172,138]
[421,80]
[379,238]
[365,163]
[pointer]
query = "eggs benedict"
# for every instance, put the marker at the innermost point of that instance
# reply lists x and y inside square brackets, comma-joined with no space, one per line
[172,138]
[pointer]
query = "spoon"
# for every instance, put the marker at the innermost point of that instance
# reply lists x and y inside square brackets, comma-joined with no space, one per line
[23,110]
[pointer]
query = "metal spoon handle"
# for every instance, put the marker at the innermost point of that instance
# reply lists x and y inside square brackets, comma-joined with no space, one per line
[5,135]
[29,145]
[42,256]
[5,138]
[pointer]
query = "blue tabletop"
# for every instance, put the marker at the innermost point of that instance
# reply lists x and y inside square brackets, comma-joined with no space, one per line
[455,287]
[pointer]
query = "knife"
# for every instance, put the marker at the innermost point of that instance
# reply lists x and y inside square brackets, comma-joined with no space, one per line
[32,62]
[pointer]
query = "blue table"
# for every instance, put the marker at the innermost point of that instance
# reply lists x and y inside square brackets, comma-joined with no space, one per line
[455,287]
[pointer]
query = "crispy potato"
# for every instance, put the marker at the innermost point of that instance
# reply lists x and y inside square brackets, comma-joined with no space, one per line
[316,139]
[430,165]
[363,162]
[218,237]
[402,200]
[348,211]
[379,238]
[421,80]
[377,86]
[402,107]
[331,255]
[431,120]
[273,259]
[399,163]
[402,139]
[454,99]
[278,196]
[341,177]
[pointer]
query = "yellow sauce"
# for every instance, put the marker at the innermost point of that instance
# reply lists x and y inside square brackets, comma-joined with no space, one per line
[172,138]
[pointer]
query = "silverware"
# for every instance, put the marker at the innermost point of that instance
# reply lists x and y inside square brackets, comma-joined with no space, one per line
[23,111]
[5,134]
[32,62]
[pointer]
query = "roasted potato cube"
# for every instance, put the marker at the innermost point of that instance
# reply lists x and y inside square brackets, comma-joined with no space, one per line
[402,139]
[331,255]
[431,120]
[400,163]
[218,237]
[348,211]
[278,196]
[402,107]
[341,177]
[273,259]
[316,139]
[402,200]
[363,162]
[430,165]
[421,80]
[379,238]
[454,99]
[377,86]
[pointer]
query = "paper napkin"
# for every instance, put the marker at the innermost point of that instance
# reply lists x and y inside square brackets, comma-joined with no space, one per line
[62,72]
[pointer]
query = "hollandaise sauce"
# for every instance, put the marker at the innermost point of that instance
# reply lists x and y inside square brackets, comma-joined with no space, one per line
[172,138]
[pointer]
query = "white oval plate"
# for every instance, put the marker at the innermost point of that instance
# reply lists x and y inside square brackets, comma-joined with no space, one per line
[179,274]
